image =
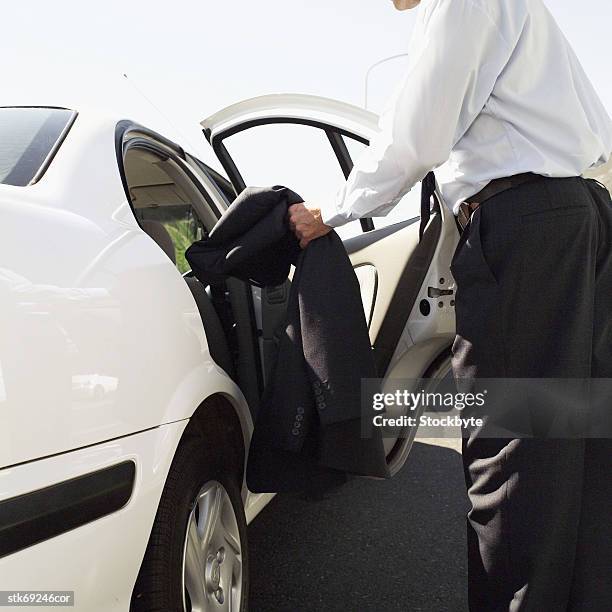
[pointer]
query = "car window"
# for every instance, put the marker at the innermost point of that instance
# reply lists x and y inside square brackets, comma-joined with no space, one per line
[295,155]
[28,137]
[166,204]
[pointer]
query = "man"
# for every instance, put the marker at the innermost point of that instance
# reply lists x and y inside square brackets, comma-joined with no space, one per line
[494,88]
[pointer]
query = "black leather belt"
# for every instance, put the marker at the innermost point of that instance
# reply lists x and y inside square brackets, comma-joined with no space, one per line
[496,186]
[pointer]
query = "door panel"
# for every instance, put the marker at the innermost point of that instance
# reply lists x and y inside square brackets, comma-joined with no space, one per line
[397,272]
[408,328]
[388,257]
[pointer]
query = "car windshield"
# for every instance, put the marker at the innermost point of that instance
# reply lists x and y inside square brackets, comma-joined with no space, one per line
[28,139]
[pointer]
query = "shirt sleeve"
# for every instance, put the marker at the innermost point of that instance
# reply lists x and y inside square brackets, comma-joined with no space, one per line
[452,72]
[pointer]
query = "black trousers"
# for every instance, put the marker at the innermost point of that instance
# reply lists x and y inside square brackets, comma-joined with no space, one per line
[534,300]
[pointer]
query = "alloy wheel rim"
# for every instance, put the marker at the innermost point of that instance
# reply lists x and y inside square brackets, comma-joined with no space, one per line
[212,553]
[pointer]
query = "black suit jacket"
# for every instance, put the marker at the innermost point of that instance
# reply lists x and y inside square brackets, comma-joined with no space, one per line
[311,429]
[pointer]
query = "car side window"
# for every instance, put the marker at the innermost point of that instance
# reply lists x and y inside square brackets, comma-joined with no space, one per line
[295,155]
[166,203]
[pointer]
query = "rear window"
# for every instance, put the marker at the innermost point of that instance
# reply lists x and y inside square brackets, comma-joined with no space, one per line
[29,137]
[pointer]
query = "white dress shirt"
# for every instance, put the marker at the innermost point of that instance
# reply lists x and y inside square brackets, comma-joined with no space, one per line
[493,89]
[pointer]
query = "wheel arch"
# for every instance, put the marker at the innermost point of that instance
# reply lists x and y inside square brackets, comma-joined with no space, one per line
[211,446]
[218,418]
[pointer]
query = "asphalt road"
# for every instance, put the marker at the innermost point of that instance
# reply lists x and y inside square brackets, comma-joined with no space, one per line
[371,546]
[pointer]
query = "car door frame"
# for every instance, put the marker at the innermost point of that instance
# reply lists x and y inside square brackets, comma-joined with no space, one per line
[130,134]
[228,122]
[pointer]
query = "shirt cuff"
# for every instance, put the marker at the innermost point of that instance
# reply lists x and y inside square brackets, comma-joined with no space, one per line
[330,211]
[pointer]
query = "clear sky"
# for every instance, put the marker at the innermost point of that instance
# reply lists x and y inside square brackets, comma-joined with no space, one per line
[191,58]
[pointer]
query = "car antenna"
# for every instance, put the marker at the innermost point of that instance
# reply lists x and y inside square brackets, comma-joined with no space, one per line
[151,103]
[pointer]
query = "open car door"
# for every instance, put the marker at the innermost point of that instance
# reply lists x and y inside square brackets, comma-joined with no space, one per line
[308,143]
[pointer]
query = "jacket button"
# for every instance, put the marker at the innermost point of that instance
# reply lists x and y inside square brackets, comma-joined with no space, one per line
[296,432]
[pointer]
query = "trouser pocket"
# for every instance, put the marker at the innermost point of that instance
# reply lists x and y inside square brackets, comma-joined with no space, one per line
[469,264]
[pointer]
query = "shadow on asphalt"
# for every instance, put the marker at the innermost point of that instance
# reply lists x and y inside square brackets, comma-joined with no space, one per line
[371,546]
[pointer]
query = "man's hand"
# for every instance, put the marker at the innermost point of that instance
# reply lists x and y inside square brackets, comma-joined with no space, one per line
[306,223]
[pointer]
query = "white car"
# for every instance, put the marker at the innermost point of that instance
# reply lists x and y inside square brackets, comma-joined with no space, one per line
[127,388]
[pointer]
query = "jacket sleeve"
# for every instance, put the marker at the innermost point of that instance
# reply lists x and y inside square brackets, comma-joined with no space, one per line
[454,63]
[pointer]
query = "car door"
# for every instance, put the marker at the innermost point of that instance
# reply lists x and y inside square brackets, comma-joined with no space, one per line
[308,144]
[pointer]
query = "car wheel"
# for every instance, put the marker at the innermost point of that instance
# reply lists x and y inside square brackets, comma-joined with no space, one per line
[197,558]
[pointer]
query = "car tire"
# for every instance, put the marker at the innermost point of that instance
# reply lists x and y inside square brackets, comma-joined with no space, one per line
[198,482]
